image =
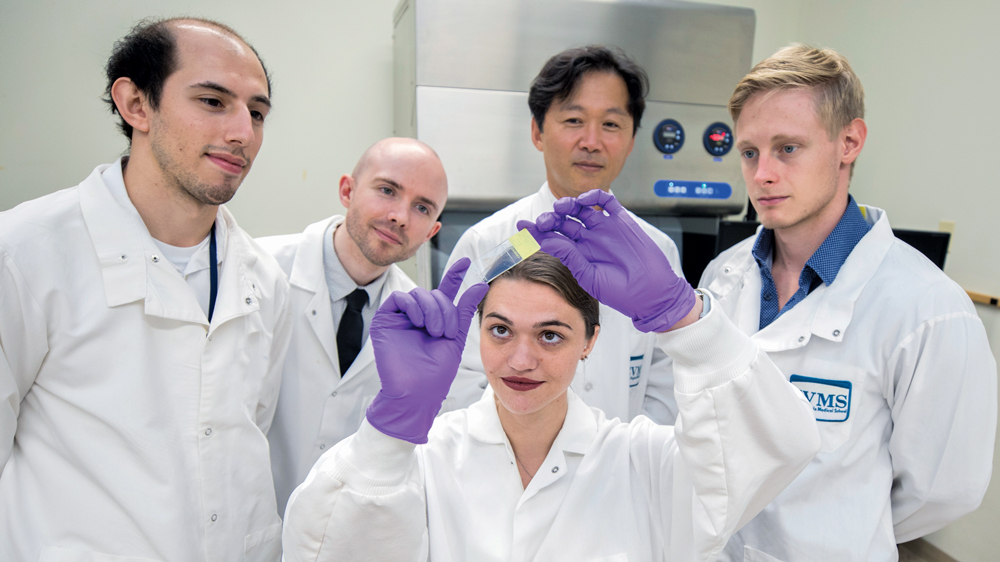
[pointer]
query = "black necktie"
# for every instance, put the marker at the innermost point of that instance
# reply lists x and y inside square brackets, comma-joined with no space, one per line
[350,329]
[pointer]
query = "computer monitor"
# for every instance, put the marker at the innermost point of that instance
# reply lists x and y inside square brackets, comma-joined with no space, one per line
[930,243]
[734,232]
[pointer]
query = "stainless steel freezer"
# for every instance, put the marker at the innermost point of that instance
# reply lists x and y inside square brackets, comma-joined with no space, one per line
[462,69]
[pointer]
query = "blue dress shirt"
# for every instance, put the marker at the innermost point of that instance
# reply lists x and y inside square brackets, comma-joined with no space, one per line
[822,266]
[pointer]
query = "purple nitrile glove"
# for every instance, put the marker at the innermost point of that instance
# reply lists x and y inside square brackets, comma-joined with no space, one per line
[614,260]
[418,339]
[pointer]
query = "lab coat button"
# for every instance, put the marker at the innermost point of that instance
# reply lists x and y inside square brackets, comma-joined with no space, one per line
[802,339]
[555,469]
[836,333]
[334,394]
[248,300]
[588,387]
[214,517]
[208,431]
[122,258]
[155,258]
[321,447]
[727,270]
[314,313]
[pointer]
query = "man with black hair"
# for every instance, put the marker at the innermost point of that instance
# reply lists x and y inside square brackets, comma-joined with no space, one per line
[143,331]
[586,105]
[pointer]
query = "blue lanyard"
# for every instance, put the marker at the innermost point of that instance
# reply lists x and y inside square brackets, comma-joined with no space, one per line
[214,264]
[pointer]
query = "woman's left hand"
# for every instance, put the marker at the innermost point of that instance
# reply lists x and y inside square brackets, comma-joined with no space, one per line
[418,339]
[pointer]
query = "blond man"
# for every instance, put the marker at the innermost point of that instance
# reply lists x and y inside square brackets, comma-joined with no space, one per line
[888,350]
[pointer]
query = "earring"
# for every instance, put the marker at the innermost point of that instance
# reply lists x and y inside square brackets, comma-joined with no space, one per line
[584,358]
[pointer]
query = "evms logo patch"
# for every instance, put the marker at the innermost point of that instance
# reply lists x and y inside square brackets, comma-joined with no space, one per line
[830,400]
[634,370]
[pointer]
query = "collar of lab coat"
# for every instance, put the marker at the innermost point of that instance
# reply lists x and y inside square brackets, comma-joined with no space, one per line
[828,310]
[125,250]
[577,433]
[395,280]
[546,199]
[543,203]
[307,273]
[837,307]
[307,267]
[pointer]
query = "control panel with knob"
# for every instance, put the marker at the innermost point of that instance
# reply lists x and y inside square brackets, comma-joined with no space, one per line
[718,139]
[668,136]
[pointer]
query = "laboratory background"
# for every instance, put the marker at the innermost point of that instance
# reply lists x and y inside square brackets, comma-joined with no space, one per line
[931,72]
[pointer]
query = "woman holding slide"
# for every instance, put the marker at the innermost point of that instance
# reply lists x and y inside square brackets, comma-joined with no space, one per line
[530,472]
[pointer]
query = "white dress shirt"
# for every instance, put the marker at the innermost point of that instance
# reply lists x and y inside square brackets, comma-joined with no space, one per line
[340,284]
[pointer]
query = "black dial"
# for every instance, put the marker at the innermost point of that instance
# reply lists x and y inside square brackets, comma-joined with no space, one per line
[718,139]
[668,136]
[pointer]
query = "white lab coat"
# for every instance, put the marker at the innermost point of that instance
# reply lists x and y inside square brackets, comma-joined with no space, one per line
[626,374]
[916,448]
[130,428]
[317,407]
[607,490]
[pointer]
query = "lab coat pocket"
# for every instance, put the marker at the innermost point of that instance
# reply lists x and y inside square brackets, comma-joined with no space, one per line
[59,554]
[832,392]
[264,545]
[754,555]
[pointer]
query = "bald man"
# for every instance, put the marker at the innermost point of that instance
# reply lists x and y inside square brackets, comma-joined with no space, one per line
[341,269]
[142,332]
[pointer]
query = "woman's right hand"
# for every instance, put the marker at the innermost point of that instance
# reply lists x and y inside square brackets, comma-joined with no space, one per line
[418,339]
[614,260]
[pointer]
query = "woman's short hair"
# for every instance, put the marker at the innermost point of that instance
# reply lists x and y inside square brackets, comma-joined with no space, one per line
[547,270]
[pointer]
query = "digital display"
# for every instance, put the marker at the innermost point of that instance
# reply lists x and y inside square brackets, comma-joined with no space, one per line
[718,139]
[668,136]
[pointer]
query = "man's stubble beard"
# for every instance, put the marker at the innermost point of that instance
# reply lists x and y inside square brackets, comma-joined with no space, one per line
[186,181]
[356,230]
[832,179]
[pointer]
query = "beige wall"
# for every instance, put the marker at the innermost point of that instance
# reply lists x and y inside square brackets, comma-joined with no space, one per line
[332,69]
[931,72]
